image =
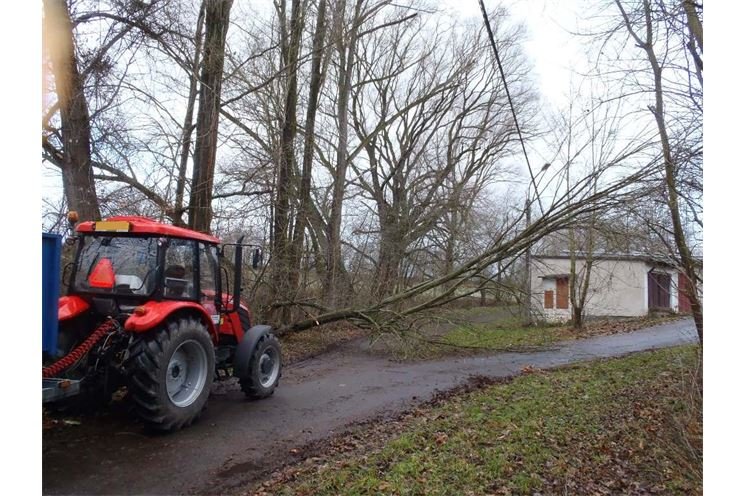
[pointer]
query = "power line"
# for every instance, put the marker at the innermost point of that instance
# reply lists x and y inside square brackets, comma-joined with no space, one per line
[509,99]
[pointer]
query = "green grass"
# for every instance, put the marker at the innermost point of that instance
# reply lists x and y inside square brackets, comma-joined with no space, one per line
[470,331]
[606,427]
[470,339]
[504,311]
[504,331]
[500,338]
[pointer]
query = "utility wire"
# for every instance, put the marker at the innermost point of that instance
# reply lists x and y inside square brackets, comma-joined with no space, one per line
[509,99]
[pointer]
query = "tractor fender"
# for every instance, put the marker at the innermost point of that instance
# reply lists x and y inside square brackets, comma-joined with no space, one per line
[246,348]
[71,306]
[153,313]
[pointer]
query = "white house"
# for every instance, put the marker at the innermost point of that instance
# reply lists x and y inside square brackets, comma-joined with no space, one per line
[621,285]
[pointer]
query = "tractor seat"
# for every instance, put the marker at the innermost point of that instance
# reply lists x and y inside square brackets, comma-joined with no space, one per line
[175,287]
[176,284]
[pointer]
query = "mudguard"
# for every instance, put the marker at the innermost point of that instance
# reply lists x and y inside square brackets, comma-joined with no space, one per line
[155,312]
[71,306]
[246,348]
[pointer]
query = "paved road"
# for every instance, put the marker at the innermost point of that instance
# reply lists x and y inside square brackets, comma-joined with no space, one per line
[236,440]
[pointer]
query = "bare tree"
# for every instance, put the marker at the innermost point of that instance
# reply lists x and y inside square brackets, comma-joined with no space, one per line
[286,178]
[599,130]
[125,161]
[446,129]
[646,23]
[74,157]
[347,34]
[302,219]
[188,127]
[217,20]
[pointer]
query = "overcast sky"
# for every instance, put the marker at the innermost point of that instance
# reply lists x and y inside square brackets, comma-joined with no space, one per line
[548,45]
[550,48]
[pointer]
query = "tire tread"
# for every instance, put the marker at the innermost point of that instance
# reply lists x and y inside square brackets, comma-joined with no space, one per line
[250,385]
[145,366]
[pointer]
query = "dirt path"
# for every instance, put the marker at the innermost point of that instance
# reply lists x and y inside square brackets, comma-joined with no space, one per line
[238,441]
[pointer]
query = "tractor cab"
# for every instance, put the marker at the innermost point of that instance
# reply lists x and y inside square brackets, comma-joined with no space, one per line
[133,260]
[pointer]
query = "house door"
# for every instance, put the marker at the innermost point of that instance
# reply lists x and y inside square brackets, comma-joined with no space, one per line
[562,292]
[659,290]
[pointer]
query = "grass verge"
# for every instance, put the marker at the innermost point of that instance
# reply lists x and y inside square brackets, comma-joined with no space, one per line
[617,426]
[504,333]
[503,338]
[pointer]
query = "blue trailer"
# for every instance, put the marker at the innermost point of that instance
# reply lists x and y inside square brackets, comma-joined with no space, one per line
[51,254]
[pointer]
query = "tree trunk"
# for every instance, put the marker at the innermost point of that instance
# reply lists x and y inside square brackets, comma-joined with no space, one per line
[687,260]
[186,131]
[77,171]
[450,245]
[578,320]
[696,43]
[302,219]
[390,256]
[347,54]
[694,23]
[217,20]
[285,168]
[527,300]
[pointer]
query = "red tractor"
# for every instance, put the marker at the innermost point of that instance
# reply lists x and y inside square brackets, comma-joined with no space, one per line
[147,307]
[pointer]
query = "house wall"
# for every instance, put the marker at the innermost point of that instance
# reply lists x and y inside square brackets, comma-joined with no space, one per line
[618,288]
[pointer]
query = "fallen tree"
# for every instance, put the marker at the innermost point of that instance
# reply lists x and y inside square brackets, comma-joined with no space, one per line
[580,200]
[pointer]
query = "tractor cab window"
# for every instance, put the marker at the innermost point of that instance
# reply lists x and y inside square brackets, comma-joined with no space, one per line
[207,269]
[178,281]
[117,265]
[208,276]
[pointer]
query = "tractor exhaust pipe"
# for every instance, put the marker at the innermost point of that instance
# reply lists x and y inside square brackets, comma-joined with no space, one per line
[237,273]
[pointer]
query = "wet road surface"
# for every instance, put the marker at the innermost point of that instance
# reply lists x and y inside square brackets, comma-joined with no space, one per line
[238,440]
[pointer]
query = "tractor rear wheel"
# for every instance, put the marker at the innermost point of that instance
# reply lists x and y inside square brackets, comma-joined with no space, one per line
[264,369]
[172,369]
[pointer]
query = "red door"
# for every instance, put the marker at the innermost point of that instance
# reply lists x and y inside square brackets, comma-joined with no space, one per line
[562,292]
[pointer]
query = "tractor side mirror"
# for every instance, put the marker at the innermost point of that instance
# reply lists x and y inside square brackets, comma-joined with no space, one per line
[257,258]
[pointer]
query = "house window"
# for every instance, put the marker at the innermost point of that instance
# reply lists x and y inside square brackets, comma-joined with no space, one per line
[562,293]
[548,299]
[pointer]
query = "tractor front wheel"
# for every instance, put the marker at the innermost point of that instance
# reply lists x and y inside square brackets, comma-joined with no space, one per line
[172,369]
[264,369]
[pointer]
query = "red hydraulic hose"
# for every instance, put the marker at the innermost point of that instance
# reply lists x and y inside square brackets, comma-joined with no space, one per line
[76,354]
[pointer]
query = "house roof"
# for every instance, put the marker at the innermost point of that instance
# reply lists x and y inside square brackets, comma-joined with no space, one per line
[607,256]
[635,257]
